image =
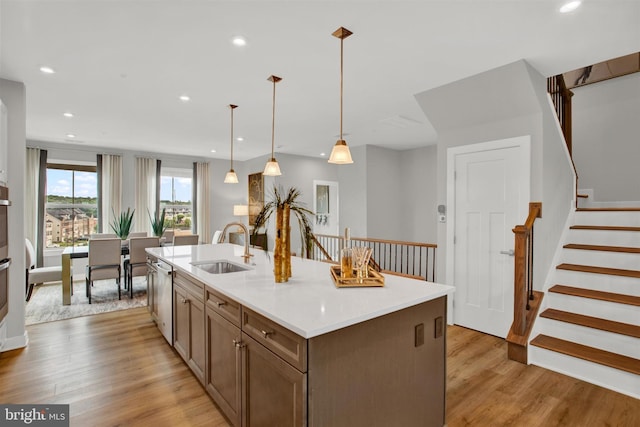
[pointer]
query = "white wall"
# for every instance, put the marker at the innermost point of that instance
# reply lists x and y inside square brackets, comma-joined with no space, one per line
[384,208]
[606,148]
[14,97]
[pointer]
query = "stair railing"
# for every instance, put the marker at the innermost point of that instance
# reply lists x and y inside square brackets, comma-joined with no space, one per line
[411,259]
[561,97]
[523,269]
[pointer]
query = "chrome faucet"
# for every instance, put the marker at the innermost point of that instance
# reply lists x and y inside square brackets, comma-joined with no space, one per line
[246,255]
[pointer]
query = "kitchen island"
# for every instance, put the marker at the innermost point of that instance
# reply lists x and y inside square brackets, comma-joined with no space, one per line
[305,352]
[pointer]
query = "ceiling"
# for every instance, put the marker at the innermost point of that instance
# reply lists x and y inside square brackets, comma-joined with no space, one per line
[121,66]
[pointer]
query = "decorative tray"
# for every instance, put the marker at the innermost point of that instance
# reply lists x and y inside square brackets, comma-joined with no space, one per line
[374,279]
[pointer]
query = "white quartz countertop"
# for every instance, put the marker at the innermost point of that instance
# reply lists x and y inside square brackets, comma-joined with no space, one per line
[309,304]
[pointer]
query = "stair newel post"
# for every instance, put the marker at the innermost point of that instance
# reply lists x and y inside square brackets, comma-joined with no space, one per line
[521,297]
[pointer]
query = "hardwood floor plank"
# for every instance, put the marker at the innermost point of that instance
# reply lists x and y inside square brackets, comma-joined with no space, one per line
[115,369]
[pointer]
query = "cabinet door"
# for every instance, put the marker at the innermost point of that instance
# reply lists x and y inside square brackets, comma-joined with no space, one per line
[188,330]
[223,365]
[197,348]
[274,393]
[181,322]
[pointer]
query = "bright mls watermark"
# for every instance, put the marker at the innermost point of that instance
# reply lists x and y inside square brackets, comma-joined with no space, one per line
[34,415]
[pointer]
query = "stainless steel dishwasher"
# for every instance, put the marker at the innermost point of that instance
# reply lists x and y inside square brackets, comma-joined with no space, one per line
[161,297]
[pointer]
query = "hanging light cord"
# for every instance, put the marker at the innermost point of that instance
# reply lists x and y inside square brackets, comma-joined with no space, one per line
[341,71]
[232,138]
[273,118]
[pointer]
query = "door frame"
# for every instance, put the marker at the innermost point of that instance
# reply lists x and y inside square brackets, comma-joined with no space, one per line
[524,144]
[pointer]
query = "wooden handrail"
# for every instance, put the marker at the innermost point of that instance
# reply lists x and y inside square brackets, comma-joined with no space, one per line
[561,97]
[411,259]
[523,268]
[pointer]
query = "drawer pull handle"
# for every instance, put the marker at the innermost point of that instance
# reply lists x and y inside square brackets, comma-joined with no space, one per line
[266,334]
[219,304]
[238,344]
[183,300]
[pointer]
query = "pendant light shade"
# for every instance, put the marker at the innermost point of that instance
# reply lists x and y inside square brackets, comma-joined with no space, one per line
[340,155]
[272,168]
[231,177]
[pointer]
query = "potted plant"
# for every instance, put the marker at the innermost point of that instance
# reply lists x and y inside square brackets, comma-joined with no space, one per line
[122,225]
[158,225]
[283,204]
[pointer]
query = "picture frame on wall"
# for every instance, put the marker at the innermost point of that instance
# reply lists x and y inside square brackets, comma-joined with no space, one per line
[256,196]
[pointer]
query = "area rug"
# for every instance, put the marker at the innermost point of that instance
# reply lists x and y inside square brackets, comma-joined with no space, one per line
[45,304]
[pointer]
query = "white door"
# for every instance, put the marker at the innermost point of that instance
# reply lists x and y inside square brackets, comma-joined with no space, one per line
[491,195]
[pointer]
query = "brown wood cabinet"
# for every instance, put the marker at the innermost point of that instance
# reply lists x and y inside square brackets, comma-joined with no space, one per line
[189,322]
[389,370]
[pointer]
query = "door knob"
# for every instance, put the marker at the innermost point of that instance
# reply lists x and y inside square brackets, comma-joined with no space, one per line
[510,252]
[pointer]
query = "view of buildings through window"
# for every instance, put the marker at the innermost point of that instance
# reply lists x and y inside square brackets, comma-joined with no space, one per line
[71,210]
[175,196]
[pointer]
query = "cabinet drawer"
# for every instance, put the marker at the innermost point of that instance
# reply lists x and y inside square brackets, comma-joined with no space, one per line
[284,343]
[193,286]
[226,307]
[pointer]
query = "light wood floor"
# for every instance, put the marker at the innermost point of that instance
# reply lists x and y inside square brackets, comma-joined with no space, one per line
[115,369]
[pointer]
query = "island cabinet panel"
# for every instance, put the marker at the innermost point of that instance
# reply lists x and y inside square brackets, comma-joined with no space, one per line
[386,371]
[274,393]
[224,306]
[189,323]
[286,344]
[223,373]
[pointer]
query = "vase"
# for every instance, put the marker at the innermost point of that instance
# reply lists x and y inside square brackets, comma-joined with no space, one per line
[282,250]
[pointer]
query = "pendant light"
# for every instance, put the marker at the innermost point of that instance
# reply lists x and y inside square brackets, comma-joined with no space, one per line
[231,177]
[340,155]
[272,168]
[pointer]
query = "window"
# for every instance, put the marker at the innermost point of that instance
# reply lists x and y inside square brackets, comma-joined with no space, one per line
[71,210]
[175,196]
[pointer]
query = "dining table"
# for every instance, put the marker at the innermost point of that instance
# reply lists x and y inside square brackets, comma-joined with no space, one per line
[68,254]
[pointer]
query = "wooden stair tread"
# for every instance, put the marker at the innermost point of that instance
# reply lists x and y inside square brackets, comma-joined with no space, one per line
[599,270]
[608,209]
[599,295]
[592,354]
[604,227]
[603,248]
[592,322]
[583,196]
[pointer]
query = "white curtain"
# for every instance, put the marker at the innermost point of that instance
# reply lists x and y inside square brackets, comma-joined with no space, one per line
[203,213]
[32,202]
[145,194]
[111,189]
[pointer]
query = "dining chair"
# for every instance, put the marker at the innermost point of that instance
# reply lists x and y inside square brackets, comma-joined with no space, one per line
[38,275]
[216,237]
[102,236]
[138,234]
[104,262]
[185,239]
[136,265]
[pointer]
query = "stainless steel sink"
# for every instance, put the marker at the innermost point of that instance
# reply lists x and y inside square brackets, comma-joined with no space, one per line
[221,266]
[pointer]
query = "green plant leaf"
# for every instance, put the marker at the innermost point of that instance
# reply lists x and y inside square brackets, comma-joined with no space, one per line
[121,225]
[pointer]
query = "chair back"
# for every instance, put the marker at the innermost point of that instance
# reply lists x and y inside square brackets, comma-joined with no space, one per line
[216,237]
[138,234]
[30,253]
[137,246]
[186,239]
[168,235]
[105,251]
[102,236]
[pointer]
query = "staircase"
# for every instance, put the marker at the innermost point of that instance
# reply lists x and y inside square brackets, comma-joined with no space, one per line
[589,325]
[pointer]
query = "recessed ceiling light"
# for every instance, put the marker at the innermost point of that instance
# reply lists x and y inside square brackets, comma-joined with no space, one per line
[213,151]
[240,139]
[184,98]
[71,135]
[570,6]
[239,41]
[68,114]
[323,154]
[47,70]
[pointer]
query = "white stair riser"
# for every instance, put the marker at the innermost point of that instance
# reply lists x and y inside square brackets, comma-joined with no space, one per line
[617,218]
[623,260]
[614,379]
[604,238]
[600,282]
[595,308]
[608,341]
